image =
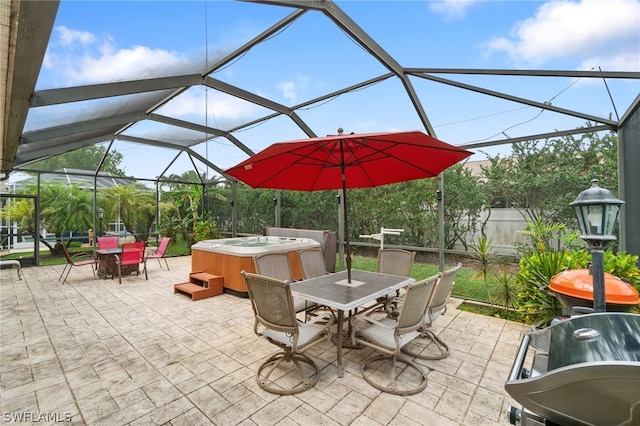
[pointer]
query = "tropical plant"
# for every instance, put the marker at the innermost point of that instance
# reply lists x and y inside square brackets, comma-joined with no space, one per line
[205,230]
[552,251]
[506,294]
[131,205]
[483,259]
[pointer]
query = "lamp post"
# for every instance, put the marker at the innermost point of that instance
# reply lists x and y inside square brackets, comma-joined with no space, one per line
[597,211]
[100,214]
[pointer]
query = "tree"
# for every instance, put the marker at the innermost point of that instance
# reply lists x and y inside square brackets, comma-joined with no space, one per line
[87,158]
[465,198]
[540,179]
[134,207]
[64,208]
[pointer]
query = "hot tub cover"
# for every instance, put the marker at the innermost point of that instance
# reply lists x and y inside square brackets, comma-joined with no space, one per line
[579,283]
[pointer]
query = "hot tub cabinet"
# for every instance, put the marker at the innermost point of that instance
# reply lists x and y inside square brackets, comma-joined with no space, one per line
[229,256]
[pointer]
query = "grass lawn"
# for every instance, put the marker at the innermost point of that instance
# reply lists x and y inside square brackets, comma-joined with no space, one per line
[465,286]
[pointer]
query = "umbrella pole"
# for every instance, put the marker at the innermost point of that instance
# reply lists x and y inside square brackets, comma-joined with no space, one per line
[346,227]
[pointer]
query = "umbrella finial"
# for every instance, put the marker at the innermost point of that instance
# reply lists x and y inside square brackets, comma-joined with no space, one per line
[340,130]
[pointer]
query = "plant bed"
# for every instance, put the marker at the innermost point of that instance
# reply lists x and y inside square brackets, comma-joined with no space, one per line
[495,311]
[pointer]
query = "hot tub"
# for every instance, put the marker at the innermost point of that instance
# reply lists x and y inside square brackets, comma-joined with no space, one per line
[227,257]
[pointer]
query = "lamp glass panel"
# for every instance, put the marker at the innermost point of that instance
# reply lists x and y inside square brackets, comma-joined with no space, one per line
[595,217]
[610,217]
[582,219]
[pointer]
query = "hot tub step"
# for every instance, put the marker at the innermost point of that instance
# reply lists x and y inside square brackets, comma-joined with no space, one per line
[201,285]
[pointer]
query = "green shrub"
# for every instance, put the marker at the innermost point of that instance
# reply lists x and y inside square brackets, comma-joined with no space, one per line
[537,269]
[206,230]
[553,250]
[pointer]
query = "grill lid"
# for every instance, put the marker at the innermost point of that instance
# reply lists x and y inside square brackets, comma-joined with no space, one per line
[579,283]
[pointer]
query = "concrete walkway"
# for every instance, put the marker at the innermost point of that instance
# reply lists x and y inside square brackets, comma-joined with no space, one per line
[94,352]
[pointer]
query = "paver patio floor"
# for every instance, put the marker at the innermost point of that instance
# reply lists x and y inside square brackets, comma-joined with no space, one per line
[95,352]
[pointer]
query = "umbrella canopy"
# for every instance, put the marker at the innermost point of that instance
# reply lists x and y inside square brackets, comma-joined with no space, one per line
[348,161]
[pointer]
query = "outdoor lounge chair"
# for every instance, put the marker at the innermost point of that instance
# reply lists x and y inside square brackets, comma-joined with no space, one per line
[388,335]
[159,253]
[132,253]
[275,319]
[79,259]
[437,306]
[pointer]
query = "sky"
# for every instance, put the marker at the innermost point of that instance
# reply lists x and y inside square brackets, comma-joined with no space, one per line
[96,42]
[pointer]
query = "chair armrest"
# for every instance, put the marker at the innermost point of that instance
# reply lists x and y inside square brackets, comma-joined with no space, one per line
[390,324]
[81,256]
[148,251]
[327,316]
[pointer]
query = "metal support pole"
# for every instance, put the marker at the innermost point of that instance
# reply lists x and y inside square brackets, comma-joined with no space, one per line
[441,233]
[597,272]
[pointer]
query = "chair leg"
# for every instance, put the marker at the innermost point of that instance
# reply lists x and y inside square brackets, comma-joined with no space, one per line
[65,277]
[165,262]
[119,274]
[63,271]
[304,381]
[146,277]
[412,373]
[441,346]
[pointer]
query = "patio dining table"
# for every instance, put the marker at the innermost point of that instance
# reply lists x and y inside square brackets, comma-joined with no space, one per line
[334,291]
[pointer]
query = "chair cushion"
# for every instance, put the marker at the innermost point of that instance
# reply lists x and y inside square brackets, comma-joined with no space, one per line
[384,336]
[306,334]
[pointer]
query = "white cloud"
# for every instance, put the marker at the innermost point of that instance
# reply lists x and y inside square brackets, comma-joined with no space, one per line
[82,58]
[223,110]
[67,36]
[452,9]
[603,33]
[288,89]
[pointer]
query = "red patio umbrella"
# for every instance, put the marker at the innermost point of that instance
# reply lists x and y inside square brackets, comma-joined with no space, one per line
[348,161]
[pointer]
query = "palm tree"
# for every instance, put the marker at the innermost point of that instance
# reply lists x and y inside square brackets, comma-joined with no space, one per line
[130,205]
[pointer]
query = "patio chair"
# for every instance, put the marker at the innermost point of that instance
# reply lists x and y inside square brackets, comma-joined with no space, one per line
[79,259]
[436,307]
[388,335]
[132,253]
[105,243]
[312,263]
[393,262]
[159,253]
[277,266]
[275,319]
